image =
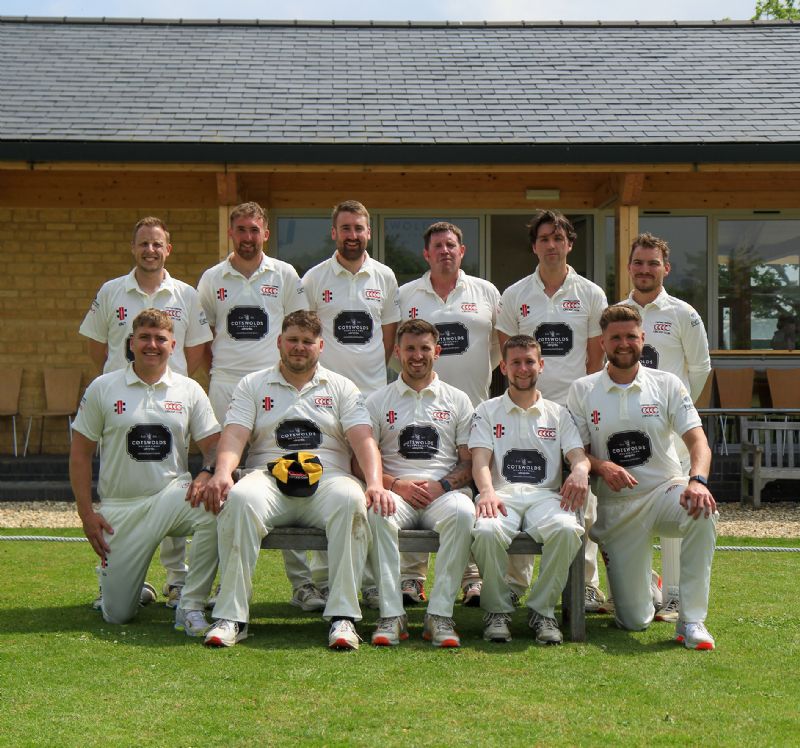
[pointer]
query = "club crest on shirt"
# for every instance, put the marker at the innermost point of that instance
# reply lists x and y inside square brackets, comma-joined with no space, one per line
[664,328]
[469,306]
[571,305]
[373,294]
[323,401]
[172,406]
[271,291]
[650,410]
[441,415]
[173,312]
[546,433]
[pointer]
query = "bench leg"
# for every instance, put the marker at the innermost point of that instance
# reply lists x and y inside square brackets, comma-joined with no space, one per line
[573,611]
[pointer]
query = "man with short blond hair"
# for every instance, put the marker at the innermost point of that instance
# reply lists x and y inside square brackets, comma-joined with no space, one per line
[143,416]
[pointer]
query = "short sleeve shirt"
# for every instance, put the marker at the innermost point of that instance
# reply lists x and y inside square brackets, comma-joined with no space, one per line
[466,322]
[118,301]
[283,420]
[632,426]
[144,430]
[353,308]
[674,338]
[418,433]
[527,445]
[562,324]
[247,313]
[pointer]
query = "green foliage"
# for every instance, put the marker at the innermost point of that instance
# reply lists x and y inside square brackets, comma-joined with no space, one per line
[778,9]
[69,679]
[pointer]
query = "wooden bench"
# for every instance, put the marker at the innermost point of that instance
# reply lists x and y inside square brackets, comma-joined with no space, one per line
[573,617]
[770,451]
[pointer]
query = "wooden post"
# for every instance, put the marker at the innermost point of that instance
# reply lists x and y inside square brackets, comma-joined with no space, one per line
[227,197]
[626,229]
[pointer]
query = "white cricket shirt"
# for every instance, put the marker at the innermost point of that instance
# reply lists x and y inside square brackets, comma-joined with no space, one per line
[674,340]
[527,445]
[119,300]
[247,313]
[418,433]
[283,420]
[633,426]
[143,429]
[353,308]
[562,324]
[466,322]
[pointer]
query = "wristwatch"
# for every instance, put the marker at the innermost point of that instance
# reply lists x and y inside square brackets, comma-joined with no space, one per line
[701,479]
[206,469]
[445,484]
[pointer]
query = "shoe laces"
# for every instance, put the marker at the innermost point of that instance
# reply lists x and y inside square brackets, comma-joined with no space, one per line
[494,619]
[593,595]
[443,623]
[386,624]
[545,623]
[195,618]
[672,606]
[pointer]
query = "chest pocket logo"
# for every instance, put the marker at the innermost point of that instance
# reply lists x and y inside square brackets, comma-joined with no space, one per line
[248,323]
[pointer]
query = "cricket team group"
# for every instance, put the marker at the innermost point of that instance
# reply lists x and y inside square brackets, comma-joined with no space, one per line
[301,428]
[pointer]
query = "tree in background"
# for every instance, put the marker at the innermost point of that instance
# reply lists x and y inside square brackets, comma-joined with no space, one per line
[778,9]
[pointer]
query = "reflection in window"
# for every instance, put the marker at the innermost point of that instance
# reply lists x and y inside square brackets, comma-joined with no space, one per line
[759,273]
[304,242]
[403,245]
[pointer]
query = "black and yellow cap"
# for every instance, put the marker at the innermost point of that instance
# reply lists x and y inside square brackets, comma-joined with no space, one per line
[297,473]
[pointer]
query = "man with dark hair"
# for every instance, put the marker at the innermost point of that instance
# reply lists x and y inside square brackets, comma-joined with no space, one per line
[246,297]
[627,415]
[676,342]
[464,309]
[422,426]
[107,325]
[517,443]
[561,310]
[143,416]
[286,410]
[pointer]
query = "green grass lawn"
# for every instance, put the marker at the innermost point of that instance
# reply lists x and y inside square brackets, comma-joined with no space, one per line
[68,678]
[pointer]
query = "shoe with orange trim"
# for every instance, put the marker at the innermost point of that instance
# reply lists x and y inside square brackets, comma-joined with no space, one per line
[694,636]
[389,632]
[440,631]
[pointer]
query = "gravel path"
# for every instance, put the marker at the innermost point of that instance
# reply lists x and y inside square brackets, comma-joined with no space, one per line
[773,520]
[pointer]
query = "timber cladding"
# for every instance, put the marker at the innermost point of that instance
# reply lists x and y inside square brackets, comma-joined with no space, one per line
[54,261]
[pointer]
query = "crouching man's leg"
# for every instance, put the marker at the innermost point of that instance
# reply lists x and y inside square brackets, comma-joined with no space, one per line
[254,506]
[560,533]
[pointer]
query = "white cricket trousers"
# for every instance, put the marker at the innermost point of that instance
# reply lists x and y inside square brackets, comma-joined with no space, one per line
[451,516]
[220,392]
[255,506]
[139,525]
[624,530]
[539,514]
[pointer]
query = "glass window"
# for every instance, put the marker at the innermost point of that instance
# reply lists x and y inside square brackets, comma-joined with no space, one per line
[403,245]
[513,258]
[303,241]
[759,296]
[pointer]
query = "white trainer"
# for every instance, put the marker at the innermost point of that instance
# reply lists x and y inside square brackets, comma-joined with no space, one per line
[670,612]
[191,622]
[173,594]
[472,594]
[148,594]
[225,633]
[545,629]
[694,636]
[593,598]
[389,632]
[308,597]
[495,627]
[343,635]
[440,631]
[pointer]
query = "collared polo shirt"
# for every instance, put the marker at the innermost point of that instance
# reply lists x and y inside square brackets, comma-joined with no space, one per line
[418,433]
[527,445]
[674,340]
[283,420]
[353,308]
[562,324]
[632,426]
[119,300]
[144,430]
[247,313]
[465,320]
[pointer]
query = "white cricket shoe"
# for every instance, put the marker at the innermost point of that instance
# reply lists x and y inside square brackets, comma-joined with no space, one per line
[670,612]
[191,622]
[343,635]
[225,633]
[593,599]
[308,597]
[495,627]
[389,632]
[173,594]
[694,636]
[440,631]
[545,629]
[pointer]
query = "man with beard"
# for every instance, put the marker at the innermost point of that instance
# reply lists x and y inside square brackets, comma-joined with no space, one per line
[356,300]
[246,297]
[108,325]
[517,443]
[422,426]
[289,409]
[627,415]
[676,342]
